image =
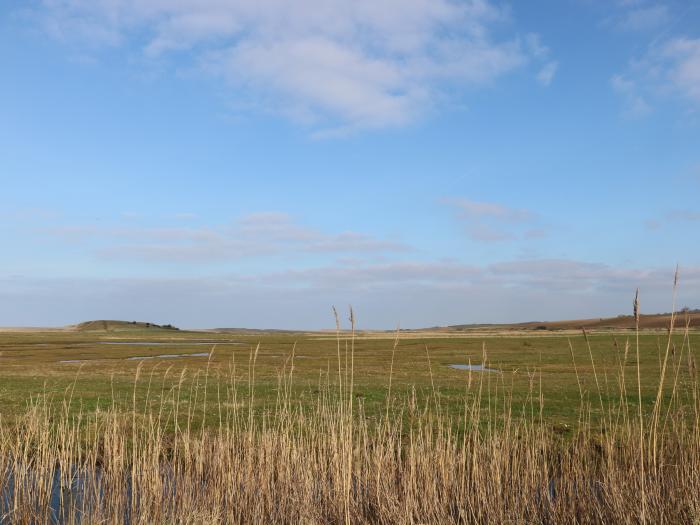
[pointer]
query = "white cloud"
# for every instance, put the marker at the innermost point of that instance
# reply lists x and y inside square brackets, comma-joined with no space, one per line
[320,79]
[541,52]
[679,63]
[333,64]
[643,18]
[361,275]
[487,233]
[670,68]
[255,235]
[635,104]
[481,209]
[546,74]
[493,222]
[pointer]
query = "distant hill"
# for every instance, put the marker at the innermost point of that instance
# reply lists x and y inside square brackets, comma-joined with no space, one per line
[119,326]
[621,322]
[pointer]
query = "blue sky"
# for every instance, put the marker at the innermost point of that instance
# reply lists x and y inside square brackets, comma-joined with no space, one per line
[251,163]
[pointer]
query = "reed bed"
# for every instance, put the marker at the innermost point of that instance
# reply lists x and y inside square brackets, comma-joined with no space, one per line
[329,462]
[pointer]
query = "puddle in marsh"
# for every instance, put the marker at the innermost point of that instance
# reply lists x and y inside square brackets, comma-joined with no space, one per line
[87,493]
[168,356]
[74,497]
[164,343]
[66,504]
[473,368]
[139,357]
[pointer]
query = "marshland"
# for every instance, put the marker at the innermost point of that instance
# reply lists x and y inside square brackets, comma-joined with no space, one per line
[350,426]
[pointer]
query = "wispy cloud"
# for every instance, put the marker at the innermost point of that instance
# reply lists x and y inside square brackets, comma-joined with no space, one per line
[255,235]
[670,68]
[676,219]
[638,18]
[558,274]
[684,215]
[413,293]
[332,64]
[493,222]
[635,103]
[542,53]
[479,231]
[679,61]
[363,275]
[481,209]
[546,74]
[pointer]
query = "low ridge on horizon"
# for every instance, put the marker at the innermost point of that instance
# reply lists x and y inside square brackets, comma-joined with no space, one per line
[691,317]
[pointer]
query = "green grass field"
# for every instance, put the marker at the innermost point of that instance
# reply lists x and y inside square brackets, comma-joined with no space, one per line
[100,372]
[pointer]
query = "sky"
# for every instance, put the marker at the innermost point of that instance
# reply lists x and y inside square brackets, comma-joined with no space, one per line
[252,163]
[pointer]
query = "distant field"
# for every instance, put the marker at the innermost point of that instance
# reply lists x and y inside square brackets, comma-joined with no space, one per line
[102,364]
[620,322]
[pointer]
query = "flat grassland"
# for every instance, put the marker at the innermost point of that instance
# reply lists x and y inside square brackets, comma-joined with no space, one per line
[561,367]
